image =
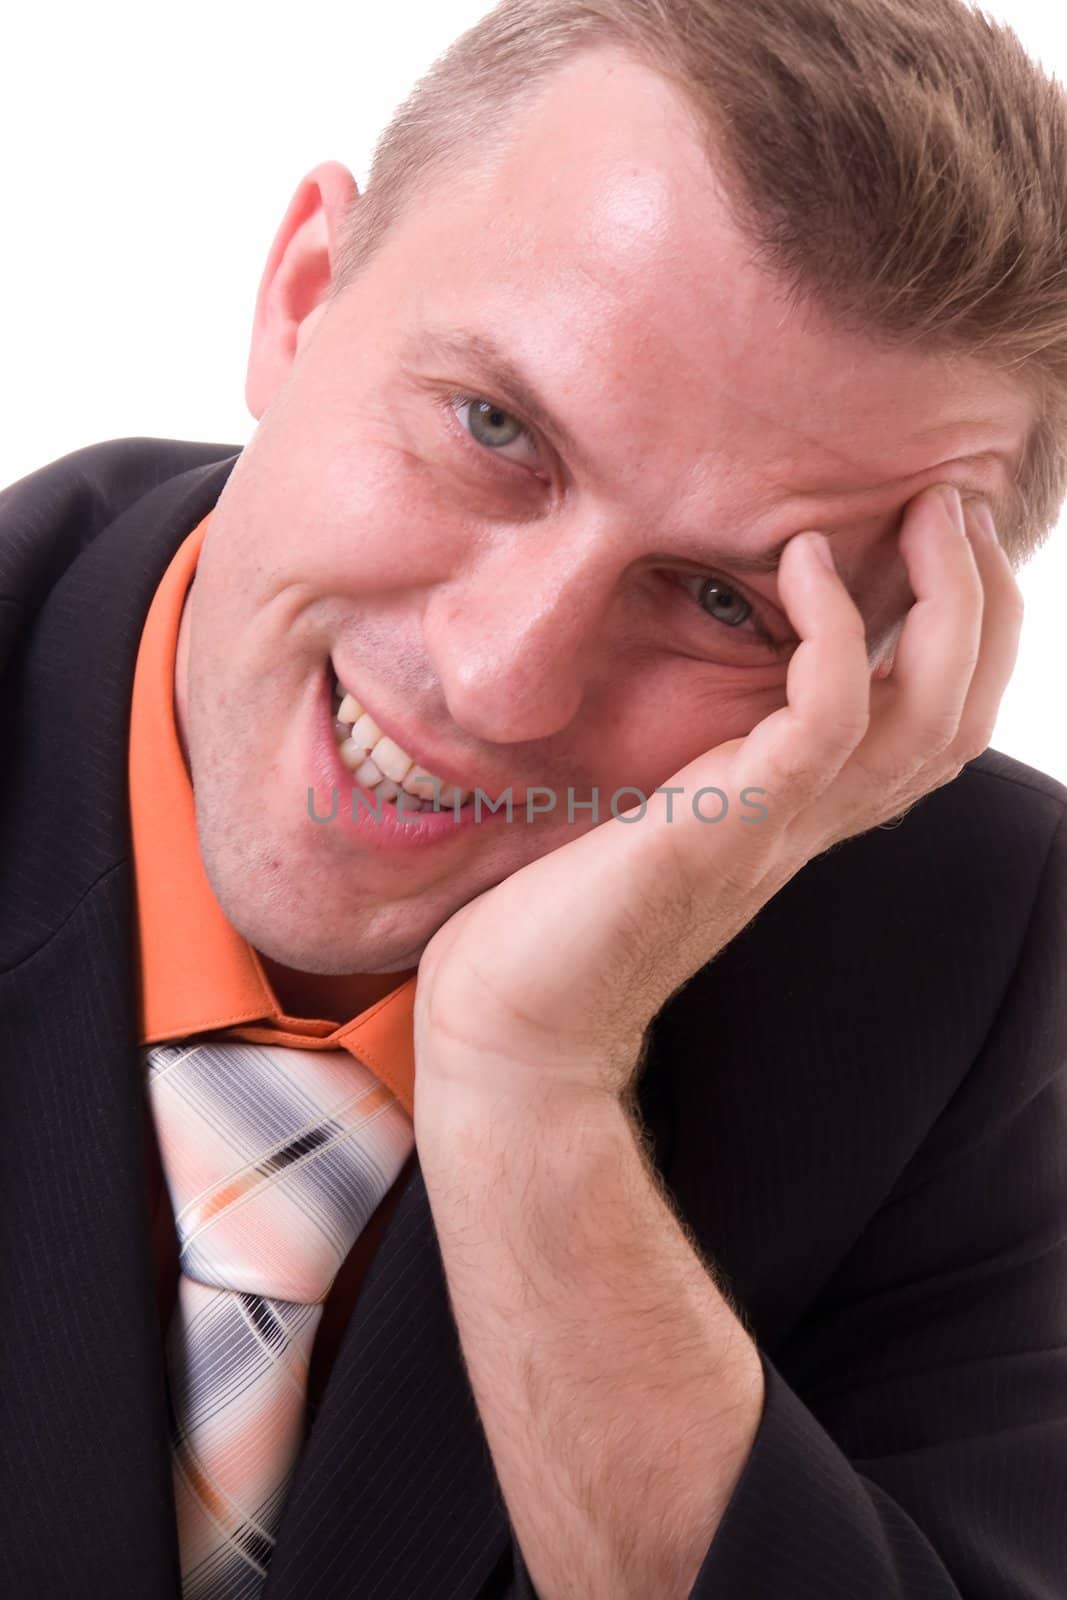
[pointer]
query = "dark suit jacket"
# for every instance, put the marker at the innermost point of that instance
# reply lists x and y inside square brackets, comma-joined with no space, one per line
[859,1109]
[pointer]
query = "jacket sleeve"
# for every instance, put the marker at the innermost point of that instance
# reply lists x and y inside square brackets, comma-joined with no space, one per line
[913,1442]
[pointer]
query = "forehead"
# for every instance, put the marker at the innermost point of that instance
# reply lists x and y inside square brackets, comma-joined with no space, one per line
[600,253]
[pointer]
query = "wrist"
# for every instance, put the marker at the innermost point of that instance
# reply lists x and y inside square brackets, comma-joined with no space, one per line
[460,1088]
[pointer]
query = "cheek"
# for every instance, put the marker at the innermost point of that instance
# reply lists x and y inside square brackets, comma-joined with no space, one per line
[375,519]
[667,721]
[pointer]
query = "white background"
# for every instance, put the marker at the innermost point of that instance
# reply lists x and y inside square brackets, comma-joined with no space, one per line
[149,157]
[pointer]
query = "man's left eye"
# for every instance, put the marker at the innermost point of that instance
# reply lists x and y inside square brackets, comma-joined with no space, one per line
[725,604]
[713,592]
[488,424]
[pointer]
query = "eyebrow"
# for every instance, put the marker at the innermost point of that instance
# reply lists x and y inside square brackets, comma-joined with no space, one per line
[508,379]
[501,373]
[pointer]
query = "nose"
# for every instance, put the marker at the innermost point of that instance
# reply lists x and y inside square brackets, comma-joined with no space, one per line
[514,639]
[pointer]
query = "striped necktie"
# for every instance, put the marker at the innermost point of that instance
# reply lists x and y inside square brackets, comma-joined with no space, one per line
[275,1159]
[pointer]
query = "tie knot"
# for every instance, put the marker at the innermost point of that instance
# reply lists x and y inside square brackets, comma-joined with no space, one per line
[274,1158]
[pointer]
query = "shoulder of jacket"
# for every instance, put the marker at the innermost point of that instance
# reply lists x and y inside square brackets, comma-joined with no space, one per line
[1026,801]
[98,482]
[48,517]
[1019,779]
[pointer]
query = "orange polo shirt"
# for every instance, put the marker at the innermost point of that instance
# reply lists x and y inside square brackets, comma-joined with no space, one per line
[196,973]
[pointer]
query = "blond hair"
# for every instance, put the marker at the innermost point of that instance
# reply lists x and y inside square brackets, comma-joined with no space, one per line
[900,163]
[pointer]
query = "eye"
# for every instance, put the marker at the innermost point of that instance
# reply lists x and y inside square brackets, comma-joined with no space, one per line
[489,425]
[717,597]
[725,604]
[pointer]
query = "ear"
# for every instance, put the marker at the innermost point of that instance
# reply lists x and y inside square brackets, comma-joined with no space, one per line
[295,281]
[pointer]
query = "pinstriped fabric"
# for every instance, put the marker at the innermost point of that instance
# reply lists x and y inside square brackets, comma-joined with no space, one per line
[275,1159]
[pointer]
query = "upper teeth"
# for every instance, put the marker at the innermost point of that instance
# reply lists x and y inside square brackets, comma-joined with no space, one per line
[378,761]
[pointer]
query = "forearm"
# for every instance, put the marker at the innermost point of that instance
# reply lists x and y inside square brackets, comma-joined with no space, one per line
[618,1391]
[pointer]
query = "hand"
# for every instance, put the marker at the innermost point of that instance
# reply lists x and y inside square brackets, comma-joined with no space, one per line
[550,979]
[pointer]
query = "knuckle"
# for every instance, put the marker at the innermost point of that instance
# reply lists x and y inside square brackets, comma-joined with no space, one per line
[948,772]
[841,735]
[804,781]
[939,733]
[971,741]
[893,776]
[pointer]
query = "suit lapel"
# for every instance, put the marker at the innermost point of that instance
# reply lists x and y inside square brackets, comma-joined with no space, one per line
[395,1493]
[85,1469]
[83,1392]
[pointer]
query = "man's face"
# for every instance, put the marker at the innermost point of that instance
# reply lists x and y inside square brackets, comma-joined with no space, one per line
[518,605]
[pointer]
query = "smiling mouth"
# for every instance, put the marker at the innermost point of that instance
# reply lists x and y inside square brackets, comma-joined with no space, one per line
[379,764]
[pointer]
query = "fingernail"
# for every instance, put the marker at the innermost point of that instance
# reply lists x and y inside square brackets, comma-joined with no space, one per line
[823,551]
[981,520]
[951,496]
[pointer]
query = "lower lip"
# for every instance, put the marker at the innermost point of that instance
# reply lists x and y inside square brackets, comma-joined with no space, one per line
[418,830]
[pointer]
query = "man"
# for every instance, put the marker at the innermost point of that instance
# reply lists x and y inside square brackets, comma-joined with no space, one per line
[728,1256]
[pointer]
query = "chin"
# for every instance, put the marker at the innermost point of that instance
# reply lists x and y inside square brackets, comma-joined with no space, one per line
[372,939]
[308,921]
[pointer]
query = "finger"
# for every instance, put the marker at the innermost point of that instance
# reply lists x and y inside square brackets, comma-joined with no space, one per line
[916,709]
[918,706]
[797,751]
[1002,620]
